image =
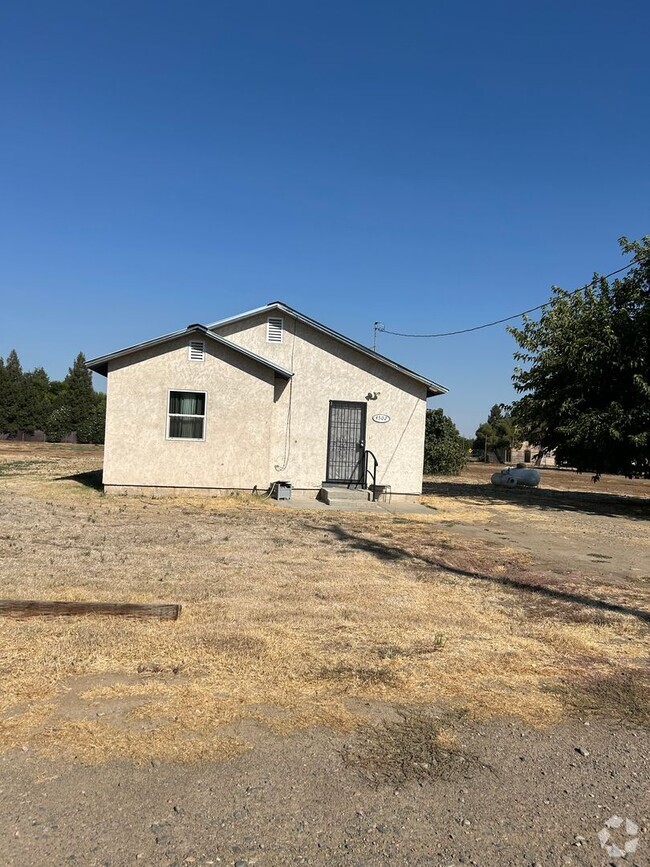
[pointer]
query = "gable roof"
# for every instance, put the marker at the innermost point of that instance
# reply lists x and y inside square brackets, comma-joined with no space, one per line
[433,388]
[100,364]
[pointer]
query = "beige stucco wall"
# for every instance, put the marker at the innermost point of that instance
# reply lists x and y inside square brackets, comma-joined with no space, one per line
[235,452]
[326,369]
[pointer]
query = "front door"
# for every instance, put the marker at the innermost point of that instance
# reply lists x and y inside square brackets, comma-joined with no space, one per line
[346,442]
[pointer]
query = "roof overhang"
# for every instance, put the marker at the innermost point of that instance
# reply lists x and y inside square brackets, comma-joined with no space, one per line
[433,388]
[100,364]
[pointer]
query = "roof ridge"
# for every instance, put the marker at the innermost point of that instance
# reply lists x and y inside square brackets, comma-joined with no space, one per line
[434,387]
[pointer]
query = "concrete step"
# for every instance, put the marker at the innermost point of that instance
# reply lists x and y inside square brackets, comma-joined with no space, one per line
[338,493]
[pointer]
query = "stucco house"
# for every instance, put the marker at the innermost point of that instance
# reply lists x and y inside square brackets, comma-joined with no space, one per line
[529,453]
[264,396]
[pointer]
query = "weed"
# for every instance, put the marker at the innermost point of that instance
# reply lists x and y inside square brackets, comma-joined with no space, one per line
[391,651]
[416,747]
[624,695]
[360,675]
[17,468]
[241,645]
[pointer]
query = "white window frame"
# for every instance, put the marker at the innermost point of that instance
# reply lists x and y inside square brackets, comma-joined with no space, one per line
[169,415]
[192,343]
[279,319]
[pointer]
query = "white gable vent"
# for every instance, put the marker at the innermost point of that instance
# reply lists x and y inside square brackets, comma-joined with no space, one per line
[274,328]
[197,350]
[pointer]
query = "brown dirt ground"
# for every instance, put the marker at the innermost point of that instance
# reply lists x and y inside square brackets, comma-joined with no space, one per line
[363,655]
[568,522]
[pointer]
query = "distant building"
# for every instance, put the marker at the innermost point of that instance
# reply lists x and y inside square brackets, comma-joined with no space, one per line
[528,453]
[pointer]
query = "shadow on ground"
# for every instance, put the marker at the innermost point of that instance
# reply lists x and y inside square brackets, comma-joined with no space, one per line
[91,479]
[533,584]
[611,505]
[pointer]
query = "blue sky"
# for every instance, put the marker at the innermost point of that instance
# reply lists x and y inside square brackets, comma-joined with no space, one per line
[432,165]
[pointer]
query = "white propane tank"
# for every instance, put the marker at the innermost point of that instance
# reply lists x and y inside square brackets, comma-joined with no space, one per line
[511,476]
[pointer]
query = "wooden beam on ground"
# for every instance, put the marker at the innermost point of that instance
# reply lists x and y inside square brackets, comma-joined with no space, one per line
[32,608]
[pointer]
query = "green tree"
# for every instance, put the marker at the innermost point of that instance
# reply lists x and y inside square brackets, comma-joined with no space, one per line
[585,372]
[29,402]
[91,430]
[15,412]
[38,400]
[79,393]
[58,424]
[56,388]
[4,390]
[445,449]
[499,432]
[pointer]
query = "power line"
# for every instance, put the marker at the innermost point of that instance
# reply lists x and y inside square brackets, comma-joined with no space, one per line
[379,326]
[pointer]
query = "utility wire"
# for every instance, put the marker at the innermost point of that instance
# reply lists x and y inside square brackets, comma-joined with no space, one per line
[380,327]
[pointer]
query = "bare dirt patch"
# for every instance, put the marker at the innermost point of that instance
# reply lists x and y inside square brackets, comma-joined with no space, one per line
[568,523]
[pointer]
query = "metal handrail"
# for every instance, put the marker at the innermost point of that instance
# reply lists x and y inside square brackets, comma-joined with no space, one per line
[373,474]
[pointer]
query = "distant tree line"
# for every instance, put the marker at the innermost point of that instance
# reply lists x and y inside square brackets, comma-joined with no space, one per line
[31,401]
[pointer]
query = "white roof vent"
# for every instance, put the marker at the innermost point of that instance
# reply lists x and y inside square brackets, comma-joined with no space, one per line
[274,327]
[197,350]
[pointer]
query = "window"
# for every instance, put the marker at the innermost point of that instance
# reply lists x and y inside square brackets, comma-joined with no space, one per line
[186,417]
[274,328]
[196,350]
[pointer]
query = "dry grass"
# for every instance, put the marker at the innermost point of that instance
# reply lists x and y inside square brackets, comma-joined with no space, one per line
[290,619]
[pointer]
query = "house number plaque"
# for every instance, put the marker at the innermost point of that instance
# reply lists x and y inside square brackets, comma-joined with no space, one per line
[381,418]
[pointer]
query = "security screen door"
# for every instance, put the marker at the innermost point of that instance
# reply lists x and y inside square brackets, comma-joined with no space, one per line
[346,442]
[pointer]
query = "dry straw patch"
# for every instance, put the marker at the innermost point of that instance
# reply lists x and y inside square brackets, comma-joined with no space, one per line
[290,620]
